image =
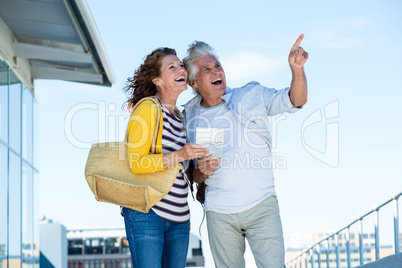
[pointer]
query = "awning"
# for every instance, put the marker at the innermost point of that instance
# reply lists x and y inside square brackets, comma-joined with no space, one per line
[57,39]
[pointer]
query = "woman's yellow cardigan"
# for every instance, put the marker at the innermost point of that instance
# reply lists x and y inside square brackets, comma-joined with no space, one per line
[141,129]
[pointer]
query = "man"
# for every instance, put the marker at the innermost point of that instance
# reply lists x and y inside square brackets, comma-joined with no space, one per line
[240,199]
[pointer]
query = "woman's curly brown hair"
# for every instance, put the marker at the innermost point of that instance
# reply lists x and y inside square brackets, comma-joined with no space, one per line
[140,85]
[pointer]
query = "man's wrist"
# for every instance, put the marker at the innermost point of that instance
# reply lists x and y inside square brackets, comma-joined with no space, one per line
[296,70]
[199,176]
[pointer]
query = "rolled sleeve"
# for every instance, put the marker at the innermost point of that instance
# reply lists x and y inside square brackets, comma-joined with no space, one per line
[278,101]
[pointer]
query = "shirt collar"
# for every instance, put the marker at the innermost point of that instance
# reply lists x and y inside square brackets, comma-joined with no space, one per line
[197,99]
[228,95]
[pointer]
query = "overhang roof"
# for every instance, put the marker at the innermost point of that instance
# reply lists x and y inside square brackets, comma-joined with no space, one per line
[59,38]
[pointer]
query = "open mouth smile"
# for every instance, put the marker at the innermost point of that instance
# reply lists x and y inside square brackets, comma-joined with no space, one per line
[217,81]
[181,79]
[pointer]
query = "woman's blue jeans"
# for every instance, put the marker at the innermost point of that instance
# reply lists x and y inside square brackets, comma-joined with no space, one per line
[155,242]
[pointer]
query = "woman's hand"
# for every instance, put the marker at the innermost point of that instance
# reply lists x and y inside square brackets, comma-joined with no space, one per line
[192,151]
[187,152]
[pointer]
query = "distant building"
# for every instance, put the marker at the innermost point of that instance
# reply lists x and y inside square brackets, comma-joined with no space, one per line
[53,244]
[38,40]
[108,247]
[305,240]
[302,241]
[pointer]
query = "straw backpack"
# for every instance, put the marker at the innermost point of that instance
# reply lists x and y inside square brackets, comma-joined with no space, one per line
[111,180]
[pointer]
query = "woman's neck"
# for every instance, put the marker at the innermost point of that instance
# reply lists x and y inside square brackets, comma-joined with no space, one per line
[169,101]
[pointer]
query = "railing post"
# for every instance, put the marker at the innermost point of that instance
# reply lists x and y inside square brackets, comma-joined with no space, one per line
[361,241]
[306,259]
[377,233]
[312,258]
[318,256]
[396,225]
[300,262]
[327,252]
[348,247]
[338,265]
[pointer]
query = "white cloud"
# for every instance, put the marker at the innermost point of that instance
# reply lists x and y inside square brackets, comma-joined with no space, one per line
[359,22]
[247,65]
[265,45]
[324,34]
[329,39]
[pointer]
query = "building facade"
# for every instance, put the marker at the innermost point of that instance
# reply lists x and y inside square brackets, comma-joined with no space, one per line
[305,240]
[108,247]
[38,40]
[18,172]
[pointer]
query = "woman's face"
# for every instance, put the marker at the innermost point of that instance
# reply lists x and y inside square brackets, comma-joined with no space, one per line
[172,76]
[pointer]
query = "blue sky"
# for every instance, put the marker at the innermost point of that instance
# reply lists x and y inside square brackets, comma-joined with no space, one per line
[335,168]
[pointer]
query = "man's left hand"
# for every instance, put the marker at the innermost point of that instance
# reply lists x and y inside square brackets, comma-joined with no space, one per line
[297,55]
[207,164]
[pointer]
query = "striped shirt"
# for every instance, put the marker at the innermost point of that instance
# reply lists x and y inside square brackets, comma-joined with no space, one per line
[174,206]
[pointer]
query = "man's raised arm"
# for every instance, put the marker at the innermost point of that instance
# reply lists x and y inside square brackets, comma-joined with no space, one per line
[298,86]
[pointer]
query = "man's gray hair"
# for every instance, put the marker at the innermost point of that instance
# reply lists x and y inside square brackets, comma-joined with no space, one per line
[196,50]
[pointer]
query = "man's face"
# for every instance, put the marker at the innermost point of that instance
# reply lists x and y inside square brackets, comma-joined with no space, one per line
[210,78]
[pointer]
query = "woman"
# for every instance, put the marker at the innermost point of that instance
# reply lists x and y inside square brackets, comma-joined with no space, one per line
[159,238]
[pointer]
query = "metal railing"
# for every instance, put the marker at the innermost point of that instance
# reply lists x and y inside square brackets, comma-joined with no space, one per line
[297,260]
